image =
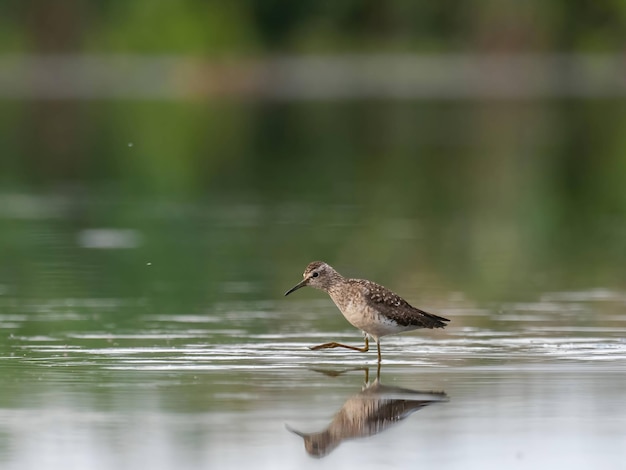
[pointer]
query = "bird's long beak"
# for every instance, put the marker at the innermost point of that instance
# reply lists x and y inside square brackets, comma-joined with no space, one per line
[295,431]
[297,286]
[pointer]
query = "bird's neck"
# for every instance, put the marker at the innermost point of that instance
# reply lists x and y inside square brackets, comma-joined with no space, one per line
[337,285]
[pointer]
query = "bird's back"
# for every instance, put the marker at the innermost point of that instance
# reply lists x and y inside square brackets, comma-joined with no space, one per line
[395,308]
[377,310]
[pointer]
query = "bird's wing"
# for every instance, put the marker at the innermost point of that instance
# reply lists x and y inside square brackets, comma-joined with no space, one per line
[399,310]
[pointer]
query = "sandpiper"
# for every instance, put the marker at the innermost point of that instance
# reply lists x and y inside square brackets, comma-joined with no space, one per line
[370,307]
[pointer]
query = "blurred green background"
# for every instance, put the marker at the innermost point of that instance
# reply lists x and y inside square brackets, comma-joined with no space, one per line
[191,151]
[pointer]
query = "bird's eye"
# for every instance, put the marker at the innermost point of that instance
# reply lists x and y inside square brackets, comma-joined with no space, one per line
[315,274]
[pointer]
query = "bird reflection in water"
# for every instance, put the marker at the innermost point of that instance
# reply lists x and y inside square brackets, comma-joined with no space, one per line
[373,410]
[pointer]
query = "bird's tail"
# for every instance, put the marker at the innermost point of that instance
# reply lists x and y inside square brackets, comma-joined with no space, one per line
[434,321]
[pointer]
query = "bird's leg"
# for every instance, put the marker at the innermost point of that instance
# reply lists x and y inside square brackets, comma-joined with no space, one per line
[378,347]
[339,345]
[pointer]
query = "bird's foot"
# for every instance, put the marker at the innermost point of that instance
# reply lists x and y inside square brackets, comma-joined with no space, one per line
[339,345]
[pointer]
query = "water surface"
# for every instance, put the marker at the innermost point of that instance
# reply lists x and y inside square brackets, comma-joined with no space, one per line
[537,389]
[142,317]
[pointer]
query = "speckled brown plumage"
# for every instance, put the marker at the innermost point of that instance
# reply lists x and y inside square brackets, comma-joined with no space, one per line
[399,310]
[372,308]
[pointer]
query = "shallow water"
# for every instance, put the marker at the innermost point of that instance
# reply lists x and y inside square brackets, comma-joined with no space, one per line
[145,248]
[538,388]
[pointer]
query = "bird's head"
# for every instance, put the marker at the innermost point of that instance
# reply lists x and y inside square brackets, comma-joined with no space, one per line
[318,275]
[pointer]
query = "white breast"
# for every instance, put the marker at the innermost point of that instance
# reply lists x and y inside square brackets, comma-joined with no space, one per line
[366,318]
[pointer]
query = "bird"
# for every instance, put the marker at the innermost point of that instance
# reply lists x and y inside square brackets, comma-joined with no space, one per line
[370,307]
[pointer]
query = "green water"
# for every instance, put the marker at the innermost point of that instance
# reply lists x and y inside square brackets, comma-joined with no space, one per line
[142,317]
